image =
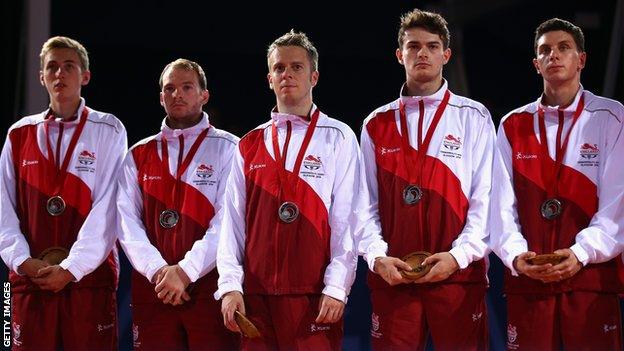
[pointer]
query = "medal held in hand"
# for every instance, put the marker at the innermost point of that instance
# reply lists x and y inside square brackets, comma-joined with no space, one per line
[247,328]
[415,260]
[55,205]
[54,255]
[413,193]
[288,211]
[170,217]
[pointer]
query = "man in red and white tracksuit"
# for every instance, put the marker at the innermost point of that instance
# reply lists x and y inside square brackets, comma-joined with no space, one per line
[287,231]
[57,199]
[170,188]
[428,158]
[559,189]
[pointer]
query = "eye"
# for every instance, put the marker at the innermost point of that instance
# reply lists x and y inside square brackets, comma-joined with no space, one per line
[433,46]
[168,89]
[298,67]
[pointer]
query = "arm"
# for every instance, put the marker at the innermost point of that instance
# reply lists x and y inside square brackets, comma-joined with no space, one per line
[471,244]
[13,245]
[231,248]
[599,241]
[145,258]
[506,240]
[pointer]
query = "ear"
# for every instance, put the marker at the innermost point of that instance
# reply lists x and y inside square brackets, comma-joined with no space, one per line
[314,78]
[205,94]
[162,99]
[86,77]
[399,55]
[536,65]
[447,55]
[582,61]
[41,80]
[270,79]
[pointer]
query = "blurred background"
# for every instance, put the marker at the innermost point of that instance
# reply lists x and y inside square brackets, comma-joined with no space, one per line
[130,42]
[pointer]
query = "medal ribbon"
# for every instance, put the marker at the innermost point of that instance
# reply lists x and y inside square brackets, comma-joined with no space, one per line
[61,169]
[287,188]
[550,175]
[182,164]
[414,167]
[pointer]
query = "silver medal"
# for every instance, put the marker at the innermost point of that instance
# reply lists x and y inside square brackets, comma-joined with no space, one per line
[169,218]
[551,209]
[288,212]
[412,194]
[55,205]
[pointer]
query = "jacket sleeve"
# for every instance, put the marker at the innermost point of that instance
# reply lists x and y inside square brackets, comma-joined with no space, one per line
[340,272]
[368,238]
[599,242]
[231,248]
[143,256]
[202,258]
[506,239]
[471,244]
[13,245]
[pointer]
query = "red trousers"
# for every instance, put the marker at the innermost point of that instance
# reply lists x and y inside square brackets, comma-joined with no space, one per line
[454,314]
[195,325]
[286,323]
[567,321]
[72,319]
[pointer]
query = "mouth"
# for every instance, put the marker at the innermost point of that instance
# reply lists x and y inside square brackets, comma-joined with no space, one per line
[59,86]
[422,65]
[551,68]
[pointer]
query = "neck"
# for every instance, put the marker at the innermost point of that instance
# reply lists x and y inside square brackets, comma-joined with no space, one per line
[183,123]
[299,109]
[65,110]
[415,88]
[561,95]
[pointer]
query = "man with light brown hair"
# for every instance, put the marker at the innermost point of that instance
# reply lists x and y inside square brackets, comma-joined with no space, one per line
[287,242]
[57,212]
[171,188]
[428,157]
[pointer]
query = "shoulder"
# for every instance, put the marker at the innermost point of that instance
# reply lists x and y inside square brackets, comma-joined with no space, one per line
[385,110]
[224,136]
[105,120]
[469,106]
[602,105]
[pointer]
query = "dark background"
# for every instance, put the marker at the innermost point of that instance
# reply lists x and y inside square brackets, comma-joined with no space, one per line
[130,42]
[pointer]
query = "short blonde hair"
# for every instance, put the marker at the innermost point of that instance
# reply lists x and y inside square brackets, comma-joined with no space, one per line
[299,39]
[65,43]
[189,66]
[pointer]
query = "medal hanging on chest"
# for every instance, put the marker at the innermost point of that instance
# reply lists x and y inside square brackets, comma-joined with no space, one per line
[288,211]
[552,207]
[170,216]
[55,206]
[413,193]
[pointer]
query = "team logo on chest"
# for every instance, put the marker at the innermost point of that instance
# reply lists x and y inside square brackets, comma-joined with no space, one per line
[203,175]
[589,155]
[86,161]
[312,167]
[451,145]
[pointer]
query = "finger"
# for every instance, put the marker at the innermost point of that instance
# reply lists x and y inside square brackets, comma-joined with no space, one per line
[322,314]
[44,271]
[186,297]
[400,265]
[160,286]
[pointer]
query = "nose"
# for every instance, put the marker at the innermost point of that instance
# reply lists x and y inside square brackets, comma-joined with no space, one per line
[554,54]
[176,93]
[59,72]
[422,52]
[287,73]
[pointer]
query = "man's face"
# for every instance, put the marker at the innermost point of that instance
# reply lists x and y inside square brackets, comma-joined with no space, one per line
[422,54]
[557,57]
[290,75]
[181,95]
[62,75]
